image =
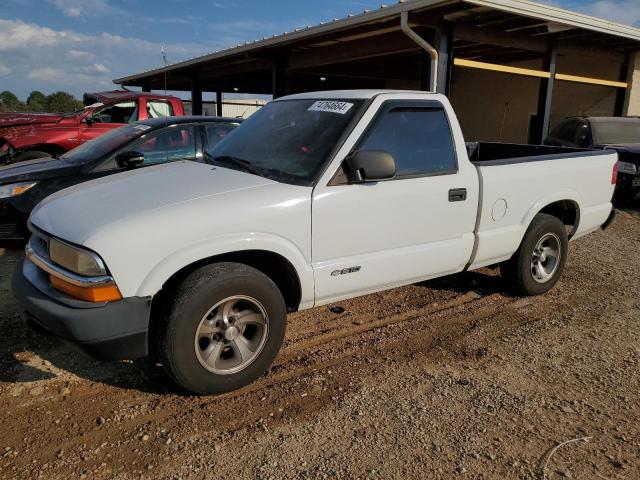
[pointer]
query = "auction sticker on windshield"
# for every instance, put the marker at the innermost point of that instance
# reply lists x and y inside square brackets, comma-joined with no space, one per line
[332,107]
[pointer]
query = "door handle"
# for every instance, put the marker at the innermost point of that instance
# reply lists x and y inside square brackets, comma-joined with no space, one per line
[457,195]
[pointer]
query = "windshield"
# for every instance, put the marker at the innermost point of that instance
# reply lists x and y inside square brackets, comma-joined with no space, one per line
[105,144]
[617,133]
[288,140]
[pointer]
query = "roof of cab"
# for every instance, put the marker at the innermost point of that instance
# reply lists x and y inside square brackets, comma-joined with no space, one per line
[350,94]
[104,97]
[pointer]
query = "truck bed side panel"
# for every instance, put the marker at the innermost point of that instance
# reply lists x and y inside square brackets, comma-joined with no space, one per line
[513,193]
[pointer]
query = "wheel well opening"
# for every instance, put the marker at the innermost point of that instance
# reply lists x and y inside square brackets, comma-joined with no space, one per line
[49,148]
[273,265]
[567,212]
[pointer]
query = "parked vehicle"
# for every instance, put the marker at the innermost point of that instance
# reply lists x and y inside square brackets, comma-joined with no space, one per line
[614,133]
[26,136]
[316,198]
[160,140]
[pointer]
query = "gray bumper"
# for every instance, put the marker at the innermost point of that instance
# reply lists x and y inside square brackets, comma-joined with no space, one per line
[109,331]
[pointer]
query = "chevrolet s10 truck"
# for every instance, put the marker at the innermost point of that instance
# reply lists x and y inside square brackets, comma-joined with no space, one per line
[317,198]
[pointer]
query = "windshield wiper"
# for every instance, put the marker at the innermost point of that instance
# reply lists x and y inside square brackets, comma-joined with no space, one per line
[239,162]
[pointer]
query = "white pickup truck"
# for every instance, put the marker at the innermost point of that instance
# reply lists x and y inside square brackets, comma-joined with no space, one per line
[317,198]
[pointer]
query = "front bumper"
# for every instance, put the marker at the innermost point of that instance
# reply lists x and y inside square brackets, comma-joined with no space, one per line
[107,331]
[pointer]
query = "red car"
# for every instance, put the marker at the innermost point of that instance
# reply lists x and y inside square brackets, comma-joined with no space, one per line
[26,136]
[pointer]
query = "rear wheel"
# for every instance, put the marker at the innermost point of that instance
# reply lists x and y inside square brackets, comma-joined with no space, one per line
[31,155]
[223,328]
[537,265]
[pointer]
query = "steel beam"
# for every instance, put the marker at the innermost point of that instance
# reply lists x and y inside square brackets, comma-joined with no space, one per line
[545,95]
[281,78]
[219,104]
[444,42]
[196,97]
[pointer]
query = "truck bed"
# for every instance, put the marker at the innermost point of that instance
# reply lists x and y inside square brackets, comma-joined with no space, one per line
[491,153]
[516,181]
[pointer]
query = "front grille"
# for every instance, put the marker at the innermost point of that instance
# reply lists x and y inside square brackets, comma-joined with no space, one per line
[636,182]
[10,230]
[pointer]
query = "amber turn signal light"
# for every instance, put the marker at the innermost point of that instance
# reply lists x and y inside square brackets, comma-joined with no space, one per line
[104,293]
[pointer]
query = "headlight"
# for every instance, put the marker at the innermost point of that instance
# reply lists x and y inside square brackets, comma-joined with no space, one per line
[15,189]
[626,167]
[76,260]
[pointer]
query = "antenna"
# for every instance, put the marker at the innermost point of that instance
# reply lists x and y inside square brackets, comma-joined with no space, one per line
[166,64]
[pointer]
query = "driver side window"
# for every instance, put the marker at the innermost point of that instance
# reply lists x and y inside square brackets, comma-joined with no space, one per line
[123,112]
[170,144]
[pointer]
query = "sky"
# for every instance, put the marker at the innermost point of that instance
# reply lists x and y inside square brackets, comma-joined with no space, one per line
[82,45]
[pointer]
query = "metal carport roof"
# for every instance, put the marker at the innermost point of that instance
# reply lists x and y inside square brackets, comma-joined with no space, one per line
[621,37]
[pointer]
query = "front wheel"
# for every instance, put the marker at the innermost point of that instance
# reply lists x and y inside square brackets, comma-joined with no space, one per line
[223,329]
[538,264]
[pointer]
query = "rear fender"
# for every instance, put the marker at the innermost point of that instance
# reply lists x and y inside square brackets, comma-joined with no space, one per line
[540,204]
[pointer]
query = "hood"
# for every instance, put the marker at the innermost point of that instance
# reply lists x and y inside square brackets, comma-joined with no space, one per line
[39,169]
[19,118]
[135,196]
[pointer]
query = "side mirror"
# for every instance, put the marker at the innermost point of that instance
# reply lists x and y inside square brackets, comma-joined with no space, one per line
[370,166]
[129,159]
[88,121]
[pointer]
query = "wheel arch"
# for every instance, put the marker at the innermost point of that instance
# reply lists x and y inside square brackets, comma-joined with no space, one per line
[567,211]
[275,266]
[563,205]
[50,148]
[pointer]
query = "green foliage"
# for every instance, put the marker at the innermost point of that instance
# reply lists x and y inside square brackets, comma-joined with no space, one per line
[9,102]
[37,101]
[63,102]
[58,102]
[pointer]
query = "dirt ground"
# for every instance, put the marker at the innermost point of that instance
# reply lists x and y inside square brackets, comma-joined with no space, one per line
[446,379]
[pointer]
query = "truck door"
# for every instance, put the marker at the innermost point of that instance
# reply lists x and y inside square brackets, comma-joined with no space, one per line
[417,225]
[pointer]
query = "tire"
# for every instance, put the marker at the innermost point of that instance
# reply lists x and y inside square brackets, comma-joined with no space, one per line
[539,262]
[222,329]
[30,155]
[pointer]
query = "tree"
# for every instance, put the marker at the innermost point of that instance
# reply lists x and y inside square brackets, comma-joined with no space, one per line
[62,102]
[9,102]
[37,101]
[59,102]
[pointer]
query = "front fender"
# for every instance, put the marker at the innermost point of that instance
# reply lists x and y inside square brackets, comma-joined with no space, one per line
[187,255]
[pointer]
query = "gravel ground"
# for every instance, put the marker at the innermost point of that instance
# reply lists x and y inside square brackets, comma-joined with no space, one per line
[446,379]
